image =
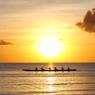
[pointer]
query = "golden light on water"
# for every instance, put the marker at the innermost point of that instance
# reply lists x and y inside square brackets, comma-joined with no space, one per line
[50,47]
[50,89]
[51,81]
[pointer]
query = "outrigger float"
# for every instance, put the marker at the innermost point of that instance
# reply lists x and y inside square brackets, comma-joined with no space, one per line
[50,69]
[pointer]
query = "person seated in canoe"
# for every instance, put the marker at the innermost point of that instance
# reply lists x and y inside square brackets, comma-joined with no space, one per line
[42,69]
[68,69]
[56,69]
[62,69]
[49,69]
[36,69]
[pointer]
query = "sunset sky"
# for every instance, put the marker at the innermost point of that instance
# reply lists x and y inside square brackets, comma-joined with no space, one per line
[47,31]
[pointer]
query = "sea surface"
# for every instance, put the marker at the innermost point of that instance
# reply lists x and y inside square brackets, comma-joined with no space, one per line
[15,81]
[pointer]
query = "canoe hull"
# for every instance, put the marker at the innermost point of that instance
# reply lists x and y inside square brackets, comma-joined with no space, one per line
[48,70]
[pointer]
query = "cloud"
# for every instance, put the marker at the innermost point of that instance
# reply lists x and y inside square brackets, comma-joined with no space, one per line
[5,43]
[88,23]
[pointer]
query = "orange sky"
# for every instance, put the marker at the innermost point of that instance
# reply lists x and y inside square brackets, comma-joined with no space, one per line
[25,24]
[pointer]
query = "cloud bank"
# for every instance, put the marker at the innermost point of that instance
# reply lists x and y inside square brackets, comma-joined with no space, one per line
[5,43]
[88,23]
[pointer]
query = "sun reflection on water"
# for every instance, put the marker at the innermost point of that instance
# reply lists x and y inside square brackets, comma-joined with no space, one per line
[51,81]
[50,89]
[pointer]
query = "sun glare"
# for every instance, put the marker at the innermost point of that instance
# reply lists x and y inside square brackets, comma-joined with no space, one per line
[50,47]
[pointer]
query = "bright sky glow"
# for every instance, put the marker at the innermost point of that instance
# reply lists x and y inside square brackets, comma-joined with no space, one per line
[30,31]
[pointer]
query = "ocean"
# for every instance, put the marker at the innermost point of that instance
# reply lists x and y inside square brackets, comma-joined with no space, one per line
[15,81]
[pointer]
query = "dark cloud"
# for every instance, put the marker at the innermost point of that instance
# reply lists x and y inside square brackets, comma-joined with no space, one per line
[5,43]
[88,23]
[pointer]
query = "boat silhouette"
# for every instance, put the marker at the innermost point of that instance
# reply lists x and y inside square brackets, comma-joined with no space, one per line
[55,69]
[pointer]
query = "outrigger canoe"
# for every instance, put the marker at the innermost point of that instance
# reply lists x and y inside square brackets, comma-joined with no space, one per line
[49,70]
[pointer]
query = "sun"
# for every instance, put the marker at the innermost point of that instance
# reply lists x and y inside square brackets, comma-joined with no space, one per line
[50,47]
